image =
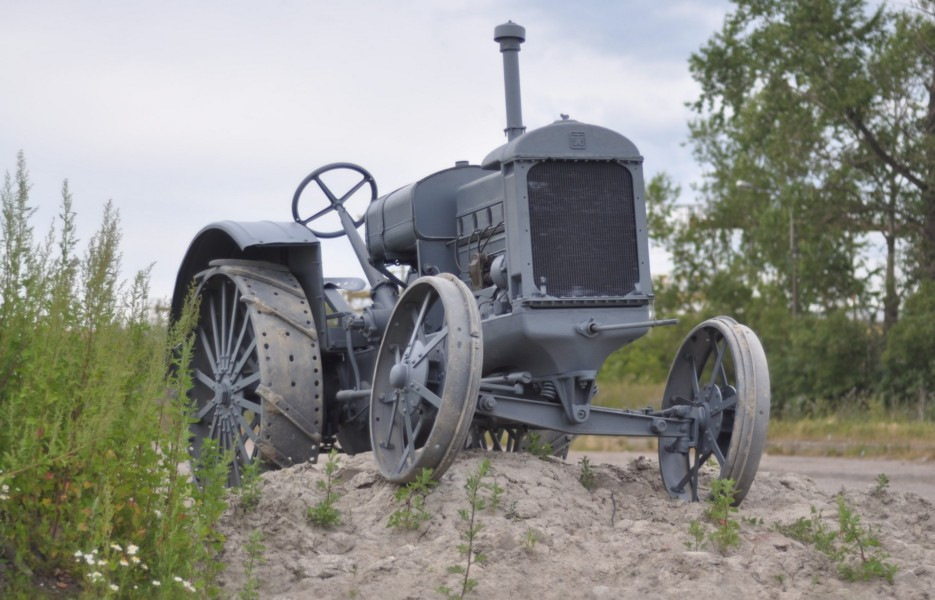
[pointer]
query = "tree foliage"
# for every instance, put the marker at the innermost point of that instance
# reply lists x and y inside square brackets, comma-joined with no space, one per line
[815,124]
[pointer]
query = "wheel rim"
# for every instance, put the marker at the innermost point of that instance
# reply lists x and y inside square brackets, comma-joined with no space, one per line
[720,374]
[250,322]
[426,379]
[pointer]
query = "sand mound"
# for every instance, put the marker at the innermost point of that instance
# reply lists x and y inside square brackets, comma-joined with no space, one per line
[552,538]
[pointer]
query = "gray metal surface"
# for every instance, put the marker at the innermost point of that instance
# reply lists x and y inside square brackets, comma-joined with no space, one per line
[237,239]
[510,36]
[426,379]
[254,330]
[520,277]
[720,377]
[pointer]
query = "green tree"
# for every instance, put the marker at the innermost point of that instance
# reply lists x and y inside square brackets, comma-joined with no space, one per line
[816,127]
[909,357]
[781,83]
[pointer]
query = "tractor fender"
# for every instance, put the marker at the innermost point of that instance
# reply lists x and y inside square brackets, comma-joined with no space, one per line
[286,243]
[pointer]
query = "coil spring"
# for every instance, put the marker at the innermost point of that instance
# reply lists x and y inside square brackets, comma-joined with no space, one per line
[549,392]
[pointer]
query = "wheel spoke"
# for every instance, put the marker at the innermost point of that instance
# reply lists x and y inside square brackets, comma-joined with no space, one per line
[232,447]
[331,197]
[410,444]
[417,324]
[233,323]
[320,213]
[248,353]
[352,191]
[718,366]
[214,330]
[725,405]
[408,437]
[696,386]
[388,444]
[715,449]
[240,336]
[244,382]
[247,428]
[207,349]
[223,342]
[212,430]
[407,451]
[426,394]
[245,458]
[205,410]
[245,404]
[203,378]
[434,340]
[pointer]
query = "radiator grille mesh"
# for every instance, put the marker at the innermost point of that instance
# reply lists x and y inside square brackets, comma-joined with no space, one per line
[583,229]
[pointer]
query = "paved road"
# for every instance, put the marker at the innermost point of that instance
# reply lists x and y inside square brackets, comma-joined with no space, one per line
[829,474]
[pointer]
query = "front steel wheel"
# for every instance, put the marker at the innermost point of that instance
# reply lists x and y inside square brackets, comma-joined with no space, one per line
[426,379]
[721,377]
[256,369]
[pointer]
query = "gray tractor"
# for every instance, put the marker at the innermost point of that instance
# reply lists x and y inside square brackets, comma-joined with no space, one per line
[496,292]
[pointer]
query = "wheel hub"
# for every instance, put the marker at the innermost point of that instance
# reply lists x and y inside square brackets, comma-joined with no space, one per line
[400,375]
[224,393]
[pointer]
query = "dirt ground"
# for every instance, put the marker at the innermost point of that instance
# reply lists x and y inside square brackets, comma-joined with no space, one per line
[552,538]
[830,474]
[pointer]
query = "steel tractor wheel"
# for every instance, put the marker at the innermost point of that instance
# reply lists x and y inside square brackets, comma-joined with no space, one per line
[426,379]
[256,367]
[721,377]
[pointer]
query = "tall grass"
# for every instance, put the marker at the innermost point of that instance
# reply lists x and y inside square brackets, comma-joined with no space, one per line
[93,421]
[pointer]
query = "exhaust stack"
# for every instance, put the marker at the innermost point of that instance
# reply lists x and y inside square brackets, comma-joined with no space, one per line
[510,36]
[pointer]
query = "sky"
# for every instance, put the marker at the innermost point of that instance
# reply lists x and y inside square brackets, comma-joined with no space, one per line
[183,113]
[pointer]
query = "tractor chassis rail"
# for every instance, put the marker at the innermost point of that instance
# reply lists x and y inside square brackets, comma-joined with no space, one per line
[601,421]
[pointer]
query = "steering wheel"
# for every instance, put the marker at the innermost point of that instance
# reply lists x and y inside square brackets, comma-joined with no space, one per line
[335,203]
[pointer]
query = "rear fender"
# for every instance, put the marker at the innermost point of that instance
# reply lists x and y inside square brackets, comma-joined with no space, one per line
[285,243]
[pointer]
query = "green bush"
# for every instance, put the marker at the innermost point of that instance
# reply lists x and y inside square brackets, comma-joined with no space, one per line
[94,421]
[824,361]
[908,361]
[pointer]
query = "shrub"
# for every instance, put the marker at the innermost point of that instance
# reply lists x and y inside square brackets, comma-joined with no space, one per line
[94,423]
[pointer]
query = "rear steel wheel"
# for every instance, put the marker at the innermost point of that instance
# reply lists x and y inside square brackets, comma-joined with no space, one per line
[256,369]
[721,377]
[426,379]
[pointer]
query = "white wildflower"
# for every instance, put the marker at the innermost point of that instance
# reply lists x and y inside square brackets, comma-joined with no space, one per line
[132,549]
[135,560]
[114,587]
[177,579]
[124,563]
[156,582]
[116,547]
[188,586]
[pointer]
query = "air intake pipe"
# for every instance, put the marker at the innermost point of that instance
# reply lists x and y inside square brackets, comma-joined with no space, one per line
[510,36]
